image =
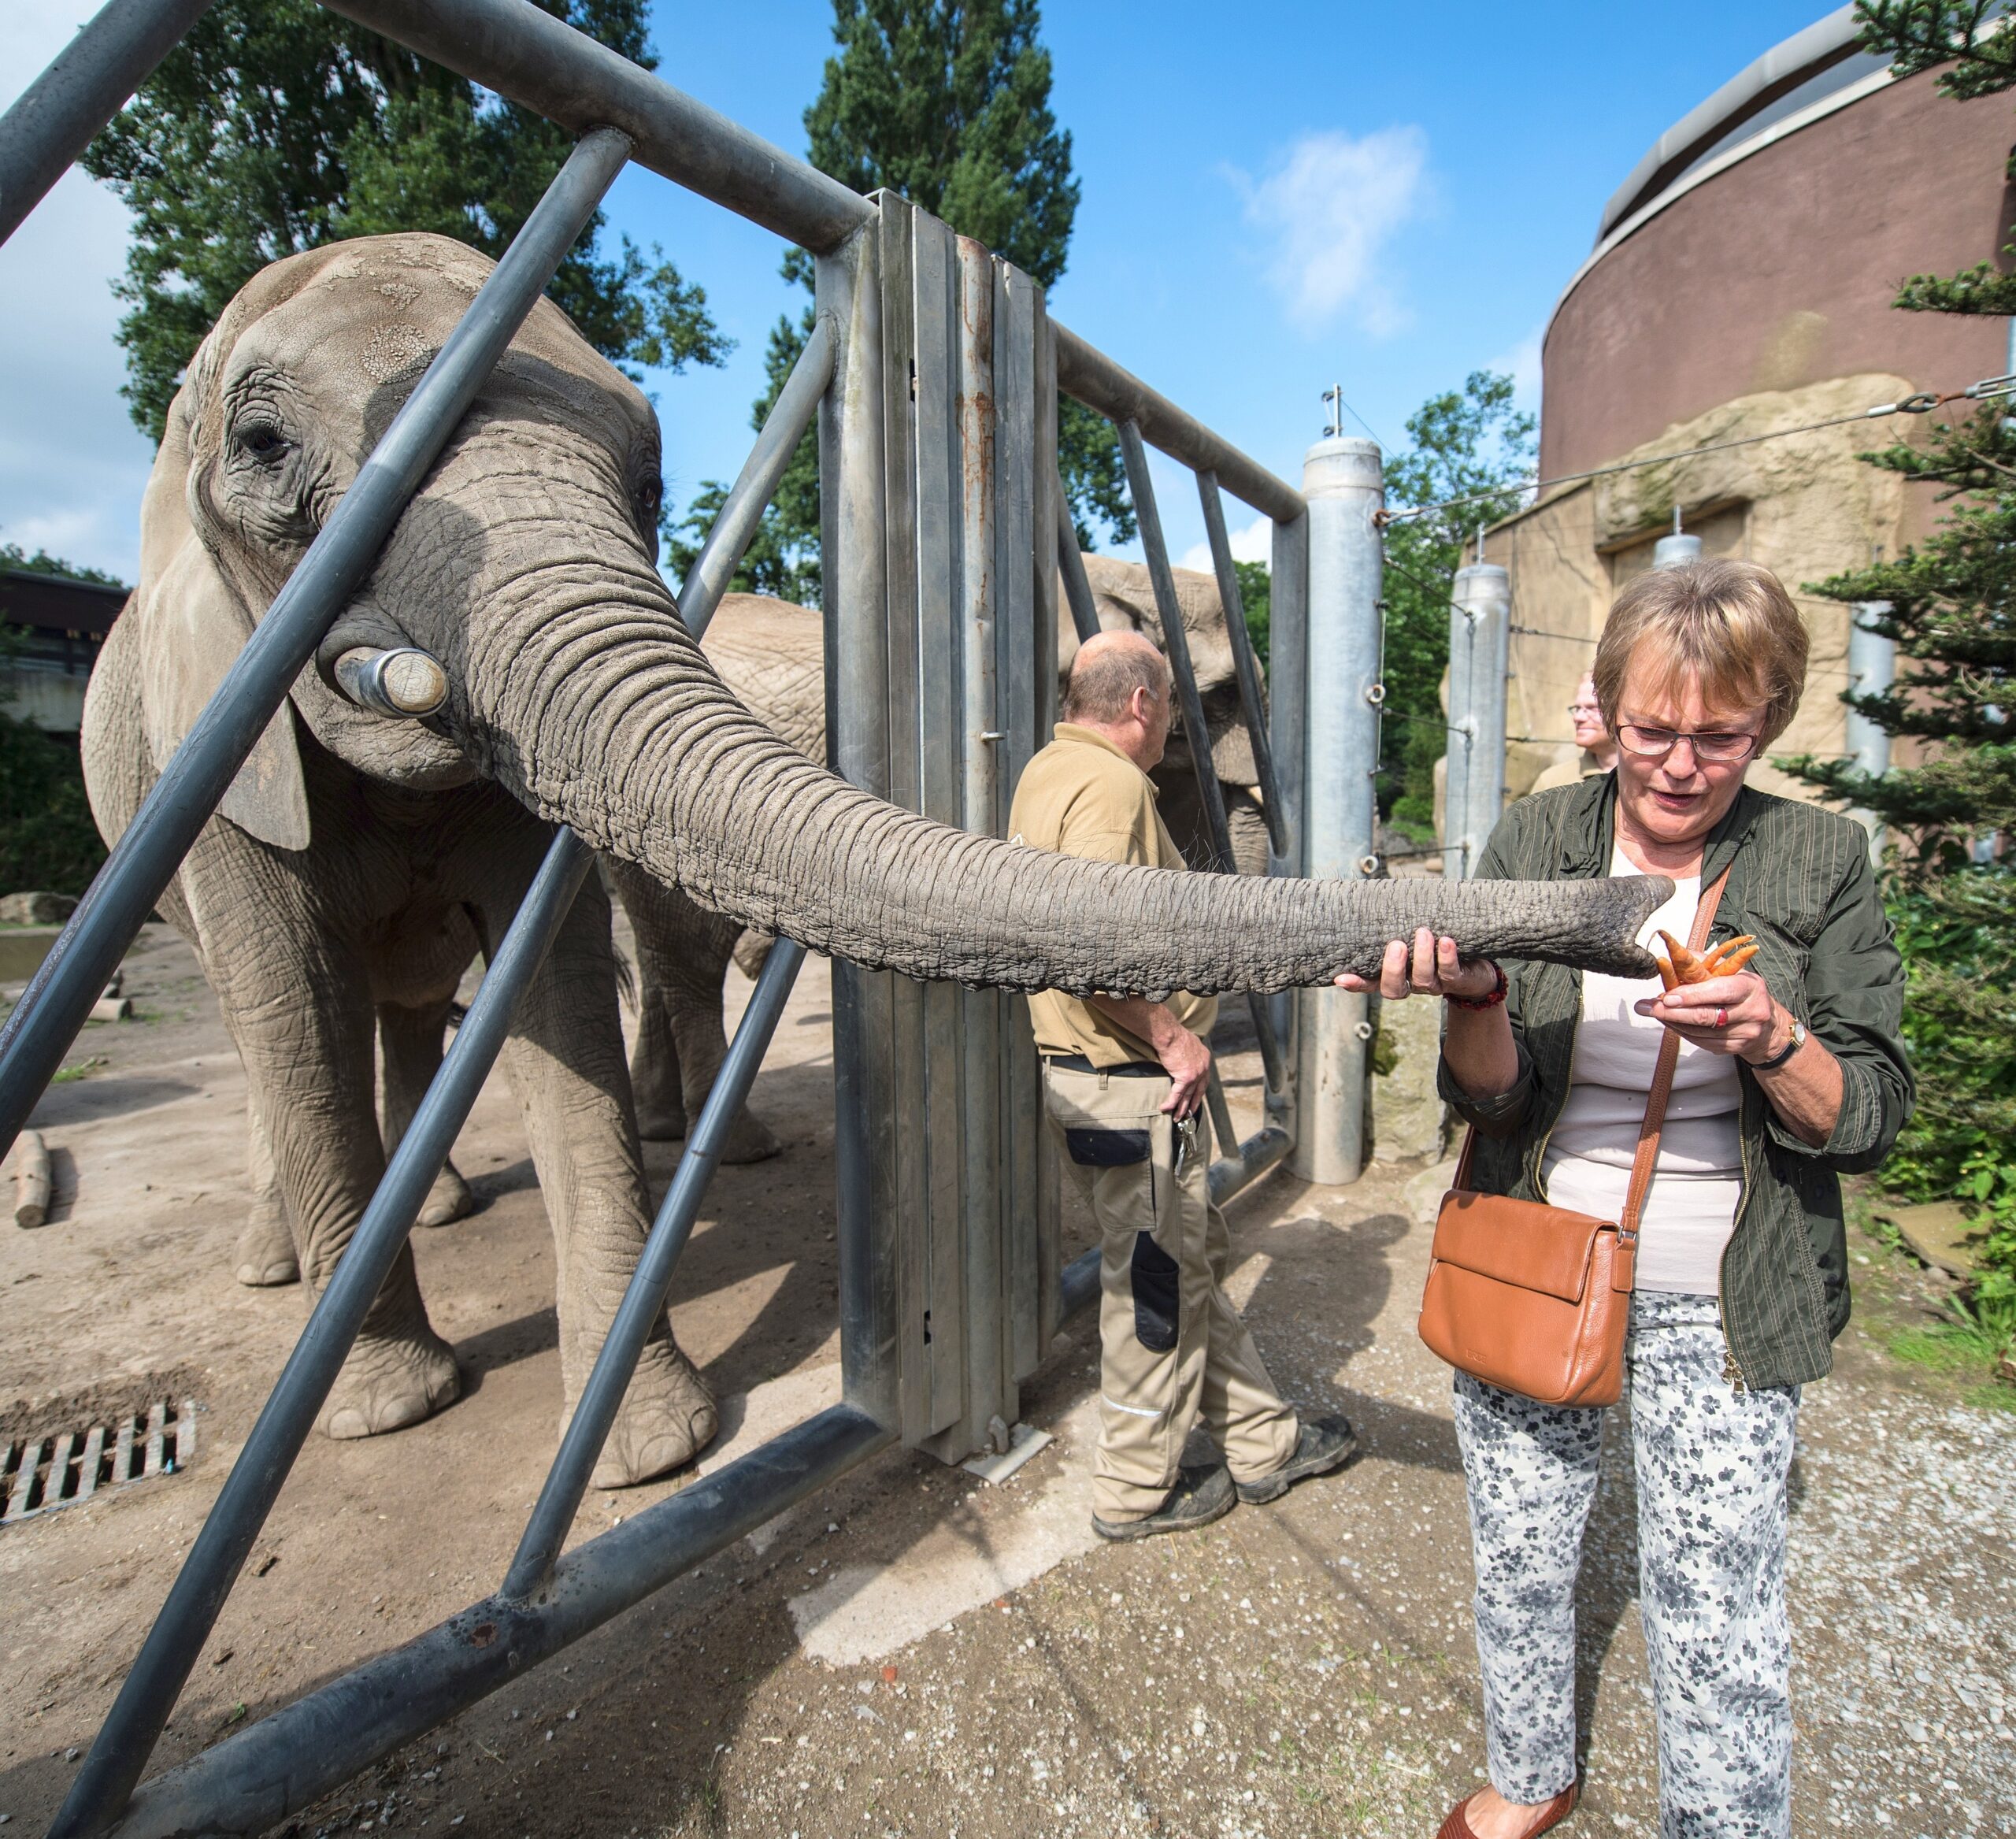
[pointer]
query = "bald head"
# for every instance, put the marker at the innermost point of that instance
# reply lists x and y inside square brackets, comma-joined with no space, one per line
[1109,669]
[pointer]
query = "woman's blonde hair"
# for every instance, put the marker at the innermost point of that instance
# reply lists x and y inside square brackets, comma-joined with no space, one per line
[1728,626]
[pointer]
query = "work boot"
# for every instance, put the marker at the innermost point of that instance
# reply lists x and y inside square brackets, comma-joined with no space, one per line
[1327,1443]
[1200,1496]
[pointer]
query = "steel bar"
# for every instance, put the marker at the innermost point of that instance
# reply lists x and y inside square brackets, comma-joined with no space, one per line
[54,119]
[1288,677]
[1176,640]
[1223,1130]
[796,407]
[1252,698]
[40,1030]
[1087,373]
[521,51]
[643,1306]
[1071,564]
[1266,1148]
[134,1726]
[254,1779]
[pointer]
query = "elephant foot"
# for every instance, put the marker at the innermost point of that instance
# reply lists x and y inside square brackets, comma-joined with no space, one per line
[750,1139]
[449,1199]
[388,1384]
[264,1256]
[752,952]
[668,1417]
[660,1120]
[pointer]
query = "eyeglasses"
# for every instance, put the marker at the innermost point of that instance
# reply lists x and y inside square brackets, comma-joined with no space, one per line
[1655,743]
[1575,708]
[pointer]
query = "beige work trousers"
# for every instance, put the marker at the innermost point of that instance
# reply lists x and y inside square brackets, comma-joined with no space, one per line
[1174,1351]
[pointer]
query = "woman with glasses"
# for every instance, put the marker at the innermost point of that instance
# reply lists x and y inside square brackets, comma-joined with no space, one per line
[1598,752]
[1790,1074]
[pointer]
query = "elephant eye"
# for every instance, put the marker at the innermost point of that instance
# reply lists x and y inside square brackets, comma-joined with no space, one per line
[263,440]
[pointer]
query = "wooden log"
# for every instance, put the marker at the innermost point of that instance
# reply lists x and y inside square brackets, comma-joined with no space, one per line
[31,1180]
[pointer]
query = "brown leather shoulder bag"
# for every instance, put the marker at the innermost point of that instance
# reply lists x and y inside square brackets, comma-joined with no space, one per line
[1536,1298]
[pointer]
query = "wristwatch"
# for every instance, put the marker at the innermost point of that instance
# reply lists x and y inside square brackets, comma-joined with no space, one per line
[1784,1053]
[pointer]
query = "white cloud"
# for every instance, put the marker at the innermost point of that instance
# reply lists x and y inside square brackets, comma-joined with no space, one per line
[1330,206]
[71,466]
[1255,543]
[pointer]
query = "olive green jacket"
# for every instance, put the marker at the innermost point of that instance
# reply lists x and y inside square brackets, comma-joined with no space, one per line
[1800,882]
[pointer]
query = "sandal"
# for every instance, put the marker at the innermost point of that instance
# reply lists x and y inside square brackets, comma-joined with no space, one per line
[1549,1813]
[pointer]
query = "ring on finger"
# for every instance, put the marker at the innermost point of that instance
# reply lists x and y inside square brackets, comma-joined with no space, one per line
[1721,1018]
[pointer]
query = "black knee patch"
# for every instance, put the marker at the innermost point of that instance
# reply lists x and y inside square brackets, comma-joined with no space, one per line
[1155,1295]
[1106,1149]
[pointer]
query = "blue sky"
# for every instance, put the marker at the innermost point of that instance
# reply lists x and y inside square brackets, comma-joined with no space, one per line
[1274,201]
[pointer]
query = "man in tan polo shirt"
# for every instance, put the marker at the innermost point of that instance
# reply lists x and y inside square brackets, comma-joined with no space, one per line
[1124,1082]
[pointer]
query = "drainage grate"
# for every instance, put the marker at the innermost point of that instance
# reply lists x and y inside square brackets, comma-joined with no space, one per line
[44,1472]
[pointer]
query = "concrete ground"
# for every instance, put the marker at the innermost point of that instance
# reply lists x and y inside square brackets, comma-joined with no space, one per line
[915,1652]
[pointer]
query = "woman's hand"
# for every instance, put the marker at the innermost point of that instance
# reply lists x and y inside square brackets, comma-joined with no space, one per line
[1724,1014]
[1431,967]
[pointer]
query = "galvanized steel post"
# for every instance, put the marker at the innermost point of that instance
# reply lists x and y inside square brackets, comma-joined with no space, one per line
[1872,669]
[1484,594]
[1344,483]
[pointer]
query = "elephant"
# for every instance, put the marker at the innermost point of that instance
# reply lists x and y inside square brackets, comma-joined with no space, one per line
[348,856]
[771,653]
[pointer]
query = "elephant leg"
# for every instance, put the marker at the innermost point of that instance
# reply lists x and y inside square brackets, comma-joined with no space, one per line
[565,1058]
[654,1067]
[752,952]
[683,956]
[409,1044]
[264,1256]
[299,1011]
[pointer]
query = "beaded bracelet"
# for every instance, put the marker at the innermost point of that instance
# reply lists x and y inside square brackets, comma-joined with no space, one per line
[1490,1001]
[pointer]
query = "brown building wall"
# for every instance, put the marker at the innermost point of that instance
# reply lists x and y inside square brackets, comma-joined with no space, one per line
[1779,272]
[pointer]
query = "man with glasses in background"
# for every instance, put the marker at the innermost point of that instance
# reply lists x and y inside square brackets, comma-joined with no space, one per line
[1598,750]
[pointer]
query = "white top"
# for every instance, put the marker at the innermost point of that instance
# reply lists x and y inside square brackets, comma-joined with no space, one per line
[1690,1209]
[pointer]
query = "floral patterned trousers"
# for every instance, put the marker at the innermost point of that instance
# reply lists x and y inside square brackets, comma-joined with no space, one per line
[1711,1462]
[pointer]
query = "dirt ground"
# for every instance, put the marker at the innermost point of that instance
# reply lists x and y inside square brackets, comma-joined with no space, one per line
[916,1652]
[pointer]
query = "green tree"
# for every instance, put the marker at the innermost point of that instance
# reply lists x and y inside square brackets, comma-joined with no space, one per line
[947,102]
[1950,604]
[47,840]
[1470,444]
[277,125]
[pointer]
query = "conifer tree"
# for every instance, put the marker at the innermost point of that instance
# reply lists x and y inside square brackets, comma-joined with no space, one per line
[1950,604]
[947,102]
[277,125]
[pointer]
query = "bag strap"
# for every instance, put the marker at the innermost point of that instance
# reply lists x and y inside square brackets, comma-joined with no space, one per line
[1647,1156]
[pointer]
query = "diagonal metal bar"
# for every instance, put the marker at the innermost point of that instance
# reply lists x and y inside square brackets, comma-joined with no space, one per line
[643,1302]
[736,522]
[1252,703]
[1077,590]
[256,1776]
[53,120]
[1141,489]
[39,1032]
[134,1726]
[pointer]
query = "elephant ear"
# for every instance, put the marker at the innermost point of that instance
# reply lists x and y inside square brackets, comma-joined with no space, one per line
[193,626]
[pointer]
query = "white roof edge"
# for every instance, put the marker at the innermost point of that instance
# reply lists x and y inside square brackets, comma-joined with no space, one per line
[1786,65]
[1778,131]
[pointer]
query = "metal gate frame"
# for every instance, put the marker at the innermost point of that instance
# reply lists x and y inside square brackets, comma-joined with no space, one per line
[932,372]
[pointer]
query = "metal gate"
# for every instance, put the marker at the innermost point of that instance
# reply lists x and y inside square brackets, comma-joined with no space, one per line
[932,374]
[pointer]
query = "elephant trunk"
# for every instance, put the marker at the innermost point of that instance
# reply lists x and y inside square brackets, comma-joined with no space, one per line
[600,711]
